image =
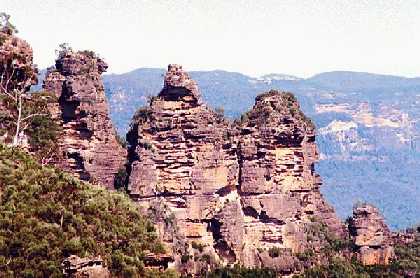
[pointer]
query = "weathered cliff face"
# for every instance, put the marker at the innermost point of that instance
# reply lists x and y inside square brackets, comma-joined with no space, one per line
[278,186]
[371,236]
[223,192]
[89,146]
[179,146]
[183,157]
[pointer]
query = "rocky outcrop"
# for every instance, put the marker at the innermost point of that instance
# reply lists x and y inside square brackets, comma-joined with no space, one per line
[90,267]
[88,143]
[229,192]
[371,236]
[278,186]
[184,155]
[178,145]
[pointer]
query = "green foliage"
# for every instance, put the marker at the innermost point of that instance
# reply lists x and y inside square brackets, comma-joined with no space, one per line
[185,258]
[406,264]
[287,102]
[241,272]
[89,53]
[274,252]
[2,39]
[120,178]
[63,49]
[198,246]
[337,268]
[142,115]
[42,130]
[5,25]
[46,215]
[121,140]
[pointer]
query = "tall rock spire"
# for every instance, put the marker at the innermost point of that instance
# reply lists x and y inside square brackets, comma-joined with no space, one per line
[235,192]
[89,145]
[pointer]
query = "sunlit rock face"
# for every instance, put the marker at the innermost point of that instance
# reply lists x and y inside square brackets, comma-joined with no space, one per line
[179,146]
[278,187]
[371,236]
[89,146]
[235,191]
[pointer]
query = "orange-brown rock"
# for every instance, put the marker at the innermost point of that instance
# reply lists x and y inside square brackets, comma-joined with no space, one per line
[178,145]
[232,193]
[278,186]
[371,235]
[183,154]
[88,143]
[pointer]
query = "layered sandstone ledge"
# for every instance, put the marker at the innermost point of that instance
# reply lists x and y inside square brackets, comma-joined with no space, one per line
[88,143]
[371,236]
[234,191]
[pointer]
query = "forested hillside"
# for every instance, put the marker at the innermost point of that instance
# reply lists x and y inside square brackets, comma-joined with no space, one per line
[47,215]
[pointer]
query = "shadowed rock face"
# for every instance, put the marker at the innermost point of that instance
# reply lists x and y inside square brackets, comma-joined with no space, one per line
[236,190]
[91,267]
[89,147]
[371,236]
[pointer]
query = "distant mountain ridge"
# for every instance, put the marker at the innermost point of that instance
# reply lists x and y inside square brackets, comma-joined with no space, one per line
[350,80]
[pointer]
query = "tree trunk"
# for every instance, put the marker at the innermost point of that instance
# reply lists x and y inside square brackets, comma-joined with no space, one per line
[16,137]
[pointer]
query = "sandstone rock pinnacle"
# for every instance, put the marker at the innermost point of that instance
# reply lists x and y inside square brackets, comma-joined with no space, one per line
[89,146]
[231,192]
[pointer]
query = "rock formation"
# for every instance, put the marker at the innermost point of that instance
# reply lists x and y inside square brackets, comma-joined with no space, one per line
[237,193]
[371,236]
[279,189]
[89,145]
[182,151]
[90,267]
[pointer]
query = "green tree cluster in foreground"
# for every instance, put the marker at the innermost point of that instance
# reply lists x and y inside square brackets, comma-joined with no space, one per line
[47,215]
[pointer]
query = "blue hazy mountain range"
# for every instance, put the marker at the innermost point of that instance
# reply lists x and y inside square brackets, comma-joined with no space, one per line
[368,128]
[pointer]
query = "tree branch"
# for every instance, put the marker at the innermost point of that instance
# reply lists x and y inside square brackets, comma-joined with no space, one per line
[33,115]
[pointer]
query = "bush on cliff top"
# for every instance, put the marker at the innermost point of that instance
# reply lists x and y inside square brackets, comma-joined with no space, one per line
[47,215]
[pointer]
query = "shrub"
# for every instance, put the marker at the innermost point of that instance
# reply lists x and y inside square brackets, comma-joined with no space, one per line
[274,252]
[46,215]
[120,179]
[241,272]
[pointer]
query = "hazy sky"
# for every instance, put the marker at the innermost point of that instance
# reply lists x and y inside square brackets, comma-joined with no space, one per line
[255,37]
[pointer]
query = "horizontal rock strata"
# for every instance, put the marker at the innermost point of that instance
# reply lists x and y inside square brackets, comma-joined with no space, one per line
[89,146]
[371,236]
[236,192]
